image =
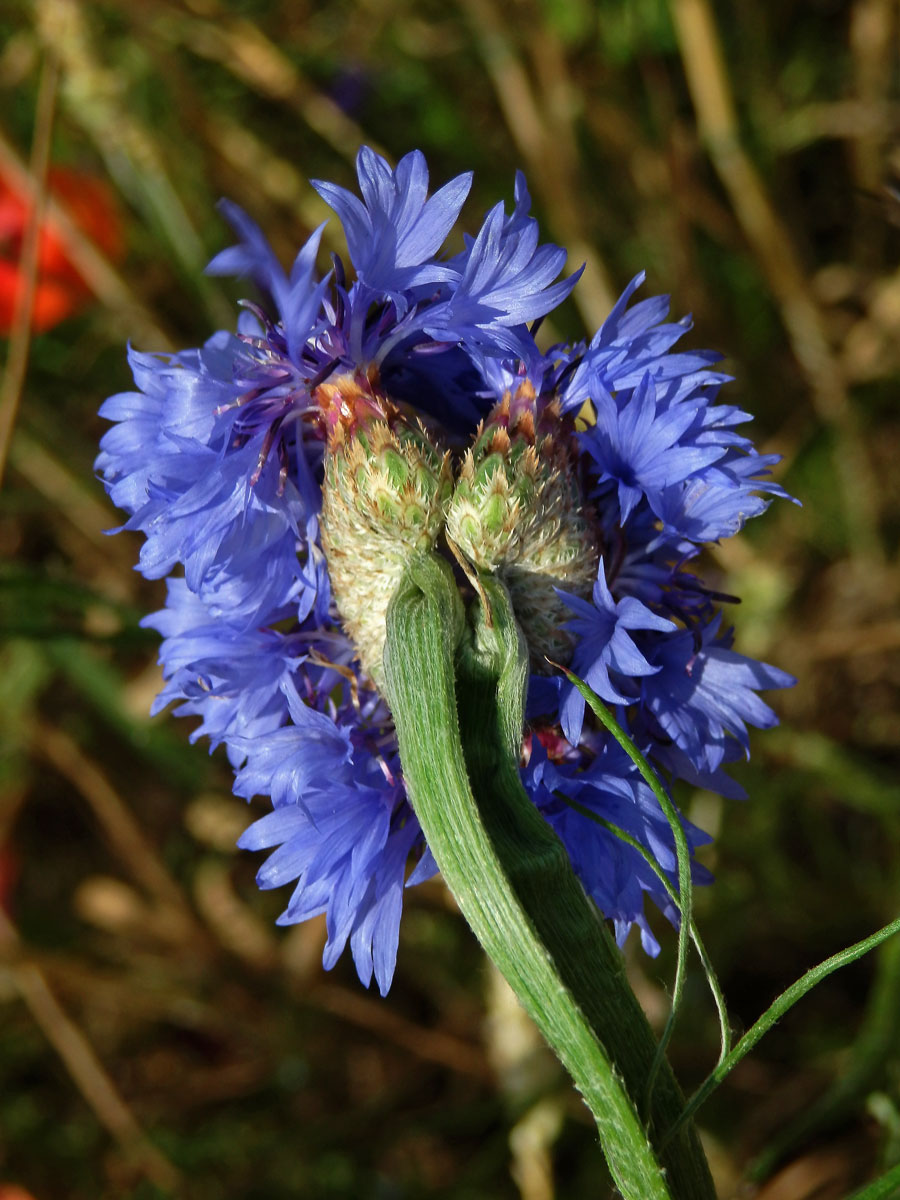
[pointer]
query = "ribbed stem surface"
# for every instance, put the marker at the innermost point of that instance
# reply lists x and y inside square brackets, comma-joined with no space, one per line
[511,875]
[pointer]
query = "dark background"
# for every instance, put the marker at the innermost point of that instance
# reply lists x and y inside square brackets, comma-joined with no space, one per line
[158,1036]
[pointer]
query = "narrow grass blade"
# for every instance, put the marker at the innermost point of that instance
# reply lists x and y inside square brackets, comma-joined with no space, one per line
[778,1008]
[682,850]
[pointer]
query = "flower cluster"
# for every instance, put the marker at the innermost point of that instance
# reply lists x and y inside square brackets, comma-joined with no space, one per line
[220,457]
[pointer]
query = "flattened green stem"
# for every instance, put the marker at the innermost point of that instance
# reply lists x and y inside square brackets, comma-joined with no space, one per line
[511,875]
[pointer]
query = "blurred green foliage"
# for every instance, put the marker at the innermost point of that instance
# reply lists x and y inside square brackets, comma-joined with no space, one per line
[251,1072]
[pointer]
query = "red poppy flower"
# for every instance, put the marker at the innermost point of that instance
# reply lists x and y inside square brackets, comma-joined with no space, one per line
[59,290]
[9,874]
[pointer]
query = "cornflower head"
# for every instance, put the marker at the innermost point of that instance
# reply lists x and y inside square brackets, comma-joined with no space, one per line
[283,475]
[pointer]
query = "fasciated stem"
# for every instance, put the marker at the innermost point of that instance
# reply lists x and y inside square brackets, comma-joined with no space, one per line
[459,728]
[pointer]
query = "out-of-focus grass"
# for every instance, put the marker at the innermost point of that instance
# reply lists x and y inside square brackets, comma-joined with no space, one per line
[740,157]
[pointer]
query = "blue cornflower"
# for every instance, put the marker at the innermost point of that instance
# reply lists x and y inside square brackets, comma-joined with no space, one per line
[603,645]
[632,342]
[395,233]
[506,280]
[703,697]
[638,443]
[219,458]
[342,827]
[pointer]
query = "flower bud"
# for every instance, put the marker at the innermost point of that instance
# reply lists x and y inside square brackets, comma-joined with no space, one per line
[517,509]
[383,499]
